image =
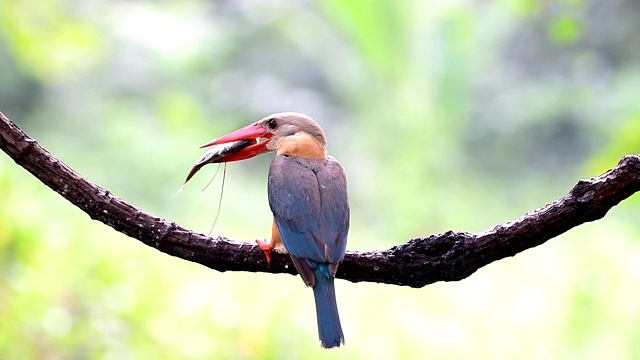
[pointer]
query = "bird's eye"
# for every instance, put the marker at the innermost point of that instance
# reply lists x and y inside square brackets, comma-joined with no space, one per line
[272,123]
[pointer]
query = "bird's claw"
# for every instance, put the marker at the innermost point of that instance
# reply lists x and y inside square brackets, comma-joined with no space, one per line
[266,248]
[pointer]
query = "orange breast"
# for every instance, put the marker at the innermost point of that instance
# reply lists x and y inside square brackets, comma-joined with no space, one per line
[275,236]
[301,144]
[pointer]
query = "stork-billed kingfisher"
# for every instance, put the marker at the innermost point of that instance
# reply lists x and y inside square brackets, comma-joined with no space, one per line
[308,198]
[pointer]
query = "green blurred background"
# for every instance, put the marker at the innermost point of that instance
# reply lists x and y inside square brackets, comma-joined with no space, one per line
[445,115]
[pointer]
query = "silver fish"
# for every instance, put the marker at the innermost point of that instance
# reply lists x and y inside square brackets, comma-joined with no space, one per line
[215,155]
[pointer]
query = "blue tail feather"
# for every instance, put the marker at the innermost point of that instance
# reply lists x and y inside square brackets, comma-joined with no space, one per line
[329,328]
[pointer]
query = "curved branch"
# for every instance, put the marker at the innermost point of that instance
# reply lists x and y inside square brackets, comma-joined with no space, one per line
[421,261]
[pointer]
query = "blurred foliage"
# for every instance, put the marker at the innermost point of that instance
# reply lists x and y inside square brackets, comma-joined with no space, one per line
[446,115]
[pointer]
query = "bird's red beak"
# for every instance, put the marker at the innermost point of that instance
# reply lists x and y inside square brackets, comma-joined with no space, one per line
[253,133]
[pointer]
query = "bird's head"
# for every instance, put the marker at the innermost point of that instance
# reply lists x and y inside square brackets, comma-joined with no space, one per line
[286,132]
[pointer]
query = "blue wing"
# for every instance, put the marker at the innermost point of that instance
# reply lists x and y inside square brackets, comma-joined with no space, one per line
[308,198]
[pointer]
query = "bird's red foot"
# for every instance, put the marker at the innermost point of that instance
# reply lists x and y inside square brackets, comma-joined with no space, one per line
[266,248]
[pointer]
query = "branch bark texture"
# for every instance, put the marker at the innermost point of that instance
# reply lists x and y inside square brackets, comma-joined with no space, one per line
[449,256]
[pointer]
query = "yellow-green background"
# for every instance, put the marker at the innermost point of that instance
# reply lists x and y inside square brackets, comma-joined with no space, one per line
[445,114]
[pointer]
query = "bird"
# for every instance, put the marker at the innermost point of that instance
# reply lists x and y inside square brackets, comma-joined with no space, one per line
[307,192]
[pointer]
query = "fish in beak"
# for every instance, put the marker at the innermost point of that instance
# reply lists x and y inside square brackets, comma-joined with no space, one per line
[241,144]
[255,133]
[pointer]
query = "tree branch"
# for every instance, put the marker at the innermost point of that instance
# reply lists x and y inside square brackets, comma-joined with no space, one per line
[421,261]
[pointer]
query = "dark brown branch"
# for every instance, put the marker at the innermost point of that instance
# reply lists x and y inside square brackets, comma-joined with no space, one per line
[444,257]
